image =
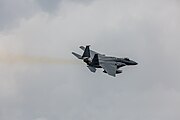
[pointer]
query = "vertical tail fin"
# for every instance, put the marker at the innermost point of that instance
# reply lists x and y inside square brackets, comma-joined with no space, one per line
[86,52]
[95,60]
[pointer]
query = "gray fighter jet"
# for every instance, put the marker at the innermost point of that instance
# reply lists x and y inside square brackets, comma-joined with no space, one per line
[109,64]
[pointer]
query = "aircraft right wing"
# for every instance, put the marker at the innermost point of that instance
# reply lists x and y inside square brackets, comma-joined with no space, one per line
[109,67]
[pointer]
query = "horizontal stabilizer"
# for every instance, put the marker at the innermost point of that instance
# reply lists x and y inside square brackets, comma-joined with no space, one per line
[92,69]
[77,55]
[82,47]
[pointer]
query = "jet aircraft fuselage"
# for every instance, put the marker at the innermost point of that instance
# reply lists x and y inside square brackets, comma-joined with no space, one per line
[109,64]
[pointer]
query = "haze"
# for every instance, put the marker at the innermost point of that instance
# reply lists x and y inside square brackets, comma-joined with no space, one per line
[146,31]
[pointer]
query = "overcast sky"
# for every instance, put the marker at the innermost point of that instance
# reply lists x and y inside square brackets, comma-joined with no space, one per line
[147,31]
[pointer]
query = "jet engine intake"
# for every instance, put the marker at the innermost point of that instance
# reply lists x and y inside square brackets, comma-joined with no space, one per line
[118,71]
[120,65]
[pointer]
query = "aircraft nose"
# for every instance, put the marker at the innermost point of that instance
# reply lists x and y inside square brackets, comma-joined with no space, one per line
[135,63]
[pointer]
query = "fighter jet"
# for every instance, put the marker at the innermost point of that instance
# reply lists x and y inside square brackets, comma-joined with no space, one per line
[126,60]
[96,60]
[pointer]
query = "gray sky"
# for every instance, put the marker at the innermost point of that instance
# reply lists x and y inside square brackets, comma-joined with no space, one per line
[146,31]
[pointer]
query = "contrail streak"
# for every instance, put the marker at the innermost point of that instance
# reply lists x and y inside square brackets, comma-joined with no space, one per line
[13,59]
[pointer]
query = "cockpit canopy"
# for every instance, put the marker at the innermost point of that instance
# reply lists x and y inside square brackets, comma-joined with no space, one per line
[126,59]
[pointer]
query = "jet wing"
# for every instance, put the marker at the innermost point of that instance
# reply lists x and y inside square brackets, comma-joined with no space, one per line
[109,67]
[92,53]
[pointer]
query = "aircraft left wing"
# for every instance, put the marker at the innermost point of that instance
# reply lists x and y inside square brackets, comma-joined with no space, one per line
[109,67]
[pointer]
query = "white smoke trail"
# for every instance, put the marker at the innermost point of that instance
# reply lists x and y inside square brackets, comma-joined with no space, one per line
[17,58]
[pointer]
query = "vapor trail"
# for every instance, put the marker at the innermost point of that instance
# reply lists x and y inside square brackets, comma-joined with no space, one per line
[13,59]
